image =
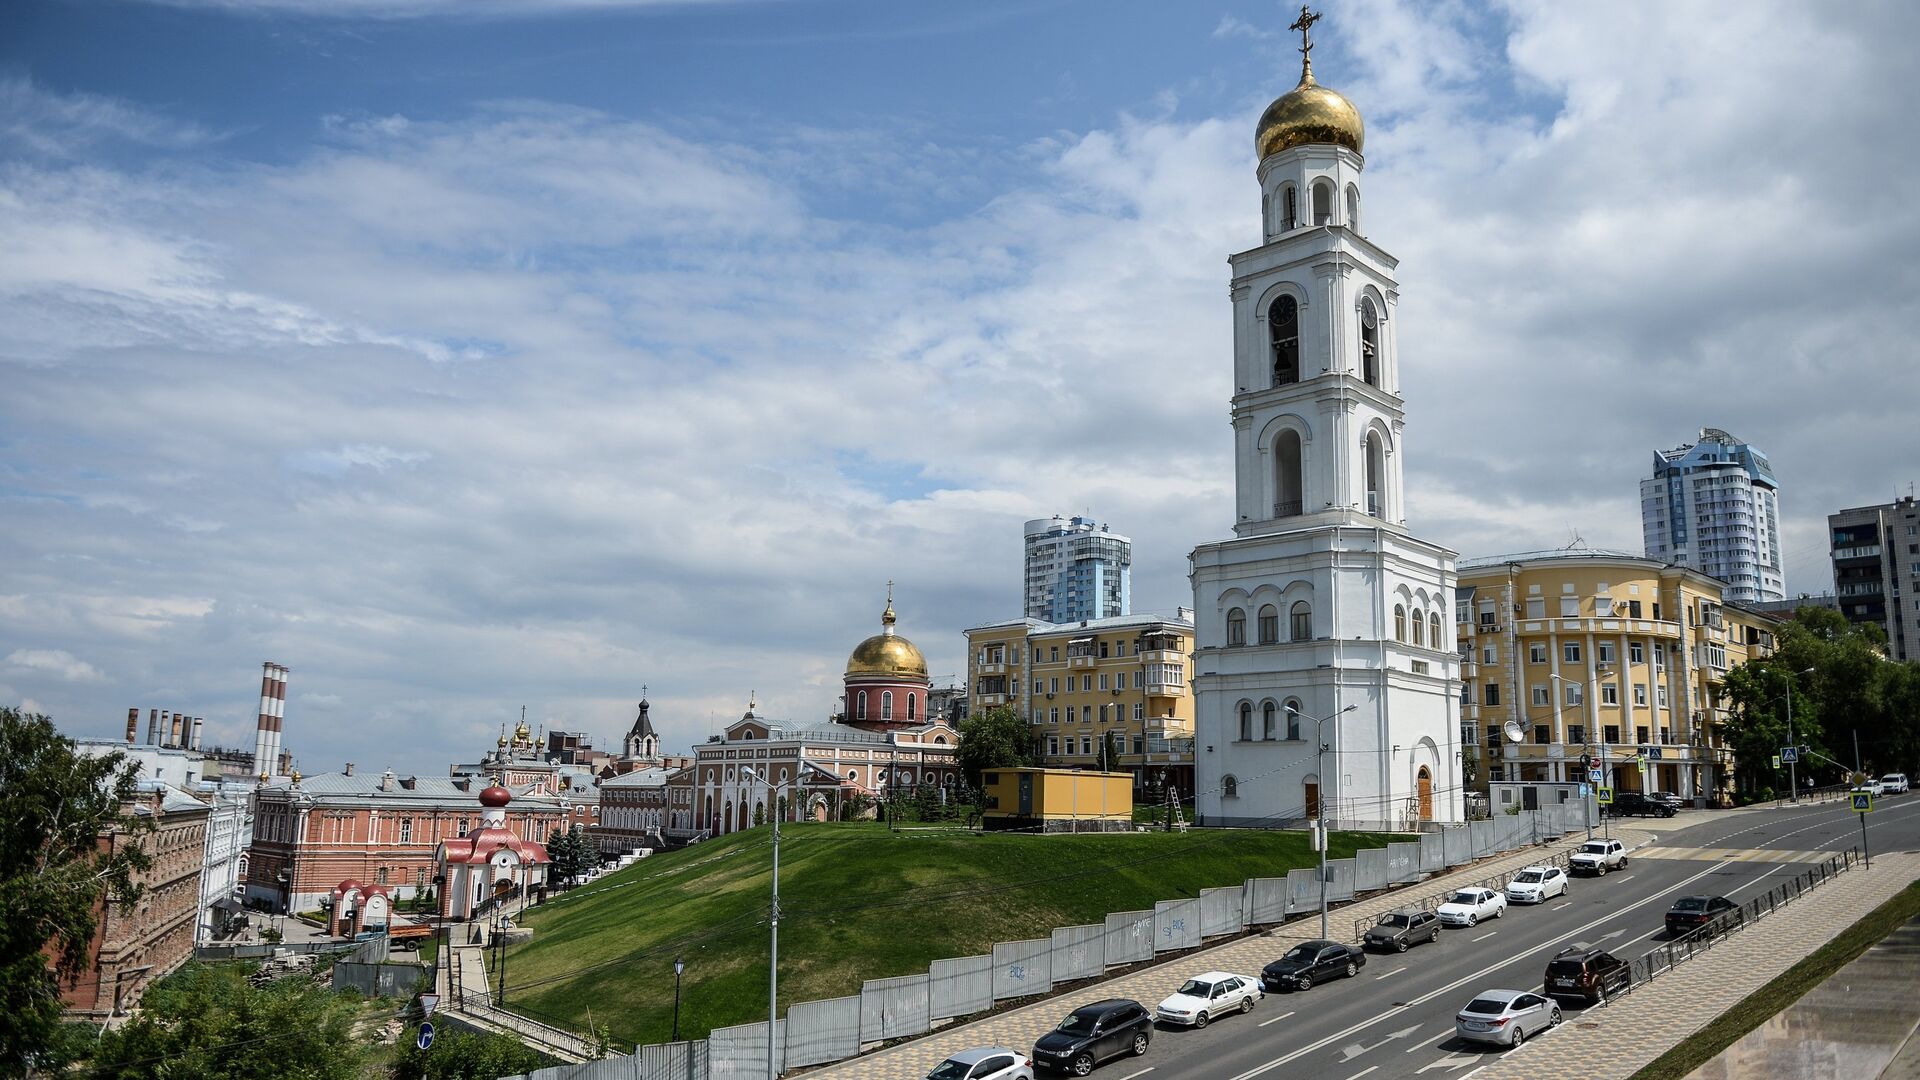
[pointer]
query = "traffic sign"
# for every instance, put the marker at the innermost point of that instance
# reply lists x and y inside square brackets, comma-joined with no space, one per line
[1862,801]
[1606,796]
[1656,753]
[426,1037]
[1585,790]
[1595,776]
[1790,755]
[428,1002]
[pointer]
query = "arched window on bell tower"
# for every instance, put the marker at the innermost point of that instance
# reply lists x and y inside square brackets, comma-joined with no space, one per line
[1289,208]
[1288,497]
[1369,342]
[1322,203]
[1283,325]
[860,709]
[1376,475]
[1353,207]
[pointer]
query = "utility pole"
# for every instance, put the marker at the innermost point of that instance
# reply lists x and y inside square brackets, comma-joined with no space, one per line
[773,948]
[1320,819]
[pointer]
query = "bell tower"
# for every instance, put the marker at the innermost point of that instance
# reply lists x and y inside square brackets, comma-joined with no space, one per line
[1323,605]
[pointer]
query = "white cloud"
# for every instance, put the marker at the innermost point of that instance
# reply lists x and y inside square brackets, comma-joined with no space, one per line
[56,662]
[695,421]
[47,123]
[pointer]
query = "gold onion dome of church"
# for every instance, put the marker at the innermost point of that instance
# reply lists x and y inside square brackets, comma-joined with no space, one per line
[887,653]
[1309,113]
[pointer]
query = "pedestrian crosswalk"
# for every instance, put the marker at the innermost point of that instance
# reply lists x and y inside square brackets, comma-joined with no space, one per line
[1750,855]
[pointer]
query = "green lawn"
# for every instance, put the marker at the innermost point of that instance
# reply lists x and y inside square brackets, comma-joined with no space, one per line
[858,903]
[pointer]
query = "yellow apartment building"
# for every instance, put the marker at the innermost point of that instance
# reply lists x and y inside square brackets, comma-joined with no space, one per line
[1057,800]
[1130,675]
[1604,654]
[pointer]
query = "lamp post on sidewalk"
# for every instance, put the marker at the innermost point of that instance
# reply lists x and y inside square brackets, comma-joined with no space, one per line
[1793,766]
[773,922]
[1320,818]
[679,965]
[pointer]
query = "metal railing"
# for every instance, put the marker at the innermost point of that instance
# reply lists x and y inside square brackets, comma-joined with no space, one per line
[1702,939]
[1432,901]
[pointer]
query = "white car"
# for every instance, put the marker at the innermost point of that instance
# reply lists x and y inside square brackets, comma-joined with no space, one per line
[1869,787]
[1537,884]
[1205,997]
[1505,1017]
[1894,783]
[984,1063]
[1597,857]
[1468,906]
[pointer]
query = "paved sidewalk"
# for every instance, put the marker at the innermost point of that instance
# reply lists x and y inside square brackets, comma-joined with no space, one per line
[1854,1024]
[1615,1042]
[1019,1027]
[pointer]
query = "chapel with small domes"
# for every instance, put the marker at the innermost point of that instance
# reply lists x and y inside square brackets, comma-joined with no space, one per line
[886,678]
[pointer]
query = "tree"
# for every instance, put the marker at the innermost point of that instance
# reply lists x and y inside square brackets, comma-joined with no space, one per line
[55,807]
[461,1055]
[571,854]
[209,1022]
[1112,745]
[995,738]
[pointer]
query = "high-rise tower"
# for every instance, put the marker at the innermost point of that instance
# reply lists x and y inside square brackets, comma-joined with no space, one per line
[1323,604]
[1714,506]
[1077,569]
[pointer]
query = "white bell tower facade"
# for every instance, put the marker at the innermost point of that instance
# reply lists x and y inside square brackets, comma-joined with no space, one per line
[1323,605]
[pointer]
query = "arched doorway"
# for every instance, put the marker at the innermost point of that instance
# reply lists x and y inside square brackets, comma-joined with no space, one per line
[1424,786]
[1311,788]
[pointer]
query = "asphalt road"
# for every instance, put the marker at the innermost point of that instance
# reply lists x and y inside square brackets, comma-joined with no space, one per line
[1395,1018]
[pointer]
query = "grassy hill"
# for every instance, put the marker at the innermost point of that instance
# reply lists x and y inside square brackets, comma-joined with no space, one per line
[857,903]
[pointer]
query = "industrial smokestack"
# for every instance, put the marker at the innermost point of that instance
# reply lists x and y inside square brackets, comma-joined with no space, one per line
[133,724]
[153,727]
[177,736]
[193,741]
[273,710]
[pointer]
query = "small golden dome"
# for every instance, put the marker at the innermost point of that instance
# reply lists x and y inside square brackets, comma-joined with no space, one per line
[1309,113]
[887,654]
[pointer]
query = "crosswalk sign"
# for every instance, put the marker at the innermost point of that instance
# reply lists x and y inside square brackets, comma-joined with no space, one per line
[1862,801]
[1605,795]
[1790,755]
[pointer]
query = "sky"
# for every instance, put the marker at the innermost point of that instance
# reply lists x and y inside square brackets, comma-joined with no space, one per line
[466,355]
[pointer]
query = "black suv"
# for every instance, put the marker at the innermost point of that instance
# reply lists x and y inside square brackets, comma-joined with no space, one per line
[1399,929]
[1093,1033]
[1690,913]
[1634,804]
[1584,971]
[1310,962]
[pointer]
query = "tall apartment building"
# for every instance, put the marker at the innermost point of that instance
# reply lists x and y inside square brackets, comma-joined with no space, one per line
[1600,653]
[1876,550]
[1714,506]
[1080,684]
[1077,569]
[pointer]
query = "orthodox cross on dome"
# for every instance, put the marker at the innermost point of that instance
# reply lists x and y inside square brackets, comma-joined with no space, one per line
[1304,24]
[887,616]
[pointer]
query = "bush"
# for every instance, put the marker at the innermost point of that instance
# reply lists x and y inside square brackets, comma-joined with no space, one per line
[462,1055]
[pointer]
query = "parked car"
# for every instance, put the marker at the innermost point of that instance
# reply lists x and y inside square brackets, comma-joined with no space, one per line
[1894,783]
[1690,913]
[1468,906]
[1505,1017]
[1397,930]
[1093,1033]
[1204,997]
[1537,885]
[1634,804]
[1597,857]
[984,1063]
[1310,962]
[1870,787]
[1669,798]
[1585,971]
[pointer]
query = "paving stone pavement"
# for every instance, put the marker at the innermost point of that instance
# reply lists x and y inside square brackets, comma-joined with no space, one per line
[1615,1042]
[1018,1028]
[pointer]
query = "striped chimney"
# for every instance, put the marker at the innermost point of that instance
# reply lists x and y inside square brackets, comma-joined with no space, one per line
[179,731]
[153,727]
[133,724]
[273,711]
[193,741]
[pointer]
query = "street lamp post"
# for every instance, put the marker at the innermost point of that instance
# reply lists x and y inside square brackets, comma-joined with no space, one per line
[1793,767]
[1586,687]
[679,965]
[773,948]
[1320,822]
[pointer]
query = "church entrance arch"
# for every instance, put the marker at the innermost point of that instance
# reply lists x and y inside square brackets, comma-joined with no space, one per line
[1423,786]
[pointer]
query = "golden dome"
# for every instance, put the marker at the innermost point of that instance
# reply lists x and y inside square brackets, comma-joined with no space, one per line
[887,654]
[1309,113]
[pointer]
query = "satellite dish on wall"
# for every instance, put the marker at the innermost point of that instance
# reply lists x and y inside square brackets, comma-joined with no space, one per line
[1513,731]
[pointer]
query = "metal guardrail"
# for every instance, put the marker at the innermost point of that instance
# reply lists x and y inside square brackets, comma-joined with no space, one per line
[1815,796]
[1432,901]
[1680,950]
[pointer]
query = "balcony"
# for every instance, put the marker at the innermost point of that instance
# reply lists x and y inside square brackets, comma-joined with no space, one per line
[1082,660]
[991,669]
[1469,710]
[990,700]
[1166,689]
[1287,509]
[1163,656]
[1469,667]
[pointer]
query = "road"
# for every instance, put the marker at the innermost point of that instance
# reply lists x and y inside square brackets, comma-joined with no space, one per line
[1395,1019]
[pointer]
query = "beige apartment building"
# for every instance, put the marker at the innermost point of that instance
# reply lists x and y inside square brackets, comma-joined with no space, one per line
[1604,654]
[1130,675]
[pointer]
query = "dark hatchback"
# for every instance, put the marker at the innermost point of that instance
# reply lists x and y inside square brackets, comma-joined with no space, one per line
[1397,930]
[1690,913]
[1583,971]
[1310,962]
[1634,804]
[1094,1033]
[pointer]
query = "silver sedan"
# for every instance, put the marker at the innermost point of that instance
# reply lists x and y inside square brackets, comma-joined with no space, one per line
[1505,1017]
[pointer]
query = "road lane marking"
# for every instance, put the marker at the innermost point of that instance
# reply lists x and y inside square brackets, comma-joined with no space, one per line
[1363,1072]
[1276,1019]
[1487,935]
[1383,975]
[1261,1070]
[1627,877]
[1424,1043]
[1142,1072]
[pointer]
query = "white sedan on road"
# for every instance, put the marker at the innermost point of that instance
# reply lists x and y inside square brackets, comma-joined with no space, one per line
[1205,997]
[1469,906]
[1537,884]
